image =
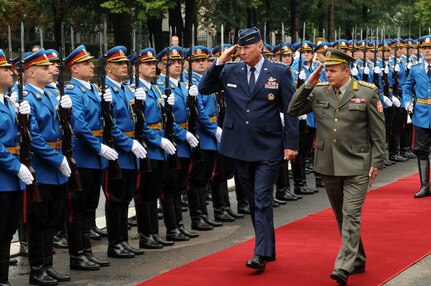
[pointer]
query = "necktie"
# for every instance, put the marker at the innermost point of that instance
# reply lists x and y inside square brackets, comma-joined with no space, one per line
[339,94]
[252,80]
[429,71]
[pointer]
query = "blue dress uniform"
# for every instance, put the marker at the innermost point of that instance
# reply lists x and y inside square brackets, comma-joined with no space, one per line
[253,134]
[11,186]
[86,124]
[44,216]
[119,192]
[419,82]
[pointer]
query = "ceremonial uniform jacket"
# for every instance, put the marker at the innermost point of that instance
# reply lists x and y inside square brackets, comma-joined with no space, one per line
[86,119]
[252,129]
[46,135]
[9,163]
[123,132]
[419,82]
[350,134]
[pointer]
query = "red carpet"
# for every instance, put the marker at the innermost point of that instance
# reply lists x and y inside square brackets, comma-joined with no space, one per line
[306,249]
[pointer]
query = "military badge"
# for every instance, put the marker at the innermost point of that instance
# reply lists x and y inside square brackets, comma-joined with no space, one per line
[427,40]
[271,79]
[271,84]
[328,54]
[150,54]
[271,96]
[121,53]
[54,54]
[379,106]
[174,52]
[198,51]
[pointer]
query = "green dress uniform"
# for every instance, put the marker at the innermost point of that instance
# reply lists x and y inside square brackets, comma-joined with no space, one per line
[350,139]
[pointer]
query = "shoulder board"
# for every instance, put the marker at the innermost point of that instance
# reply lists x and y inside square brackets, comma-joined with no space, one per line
[416,64]
[322,83]
[231,63]
[367,84]
[70,86]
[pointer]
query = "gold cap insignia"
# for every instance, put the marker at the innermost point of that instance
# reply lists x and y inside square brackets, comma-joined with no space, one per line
[199,51]
[149,53]
[121,52]
[328,54]
[54,54]
[174,52]
[427,40]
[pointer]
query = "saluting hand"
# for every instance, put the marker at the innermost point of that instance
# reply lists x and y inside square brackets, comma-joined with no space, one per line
[227,55]
[314,78]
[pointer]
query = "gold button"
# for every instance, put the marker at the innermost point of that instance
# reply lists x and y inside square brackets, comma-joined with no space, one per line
[334,141]
[336,119]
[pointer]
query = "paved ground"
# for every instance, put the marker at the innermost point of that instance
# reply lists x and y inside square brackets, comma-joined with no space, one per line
[132,271]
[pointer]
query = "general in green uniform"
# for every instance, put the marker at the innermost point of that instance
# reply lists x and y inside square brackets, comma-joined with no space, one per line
[350,148]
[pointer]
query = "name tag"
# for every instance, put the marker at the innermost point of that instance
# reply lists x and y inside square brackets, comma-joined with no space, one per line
[231,85]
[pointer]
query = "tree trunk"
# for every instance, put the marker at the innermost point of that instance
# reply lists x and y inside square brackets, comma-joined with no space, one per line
[190,19]
[155,32]
[176,22]
[331,21]
[294,18]
[122,24]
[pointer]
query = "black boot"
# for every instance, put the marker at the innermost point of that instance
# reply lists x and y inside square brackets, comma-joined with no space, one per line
[4,262]
[143,218]
[87,223]
[226,200]
[22,235]
[195,210]
[424,173]
[49,253]
[113,222]
[179,218]
[39,276]
[124,233]
[204,210]
[78,260]
[169,217]
[60,240]
[220,213]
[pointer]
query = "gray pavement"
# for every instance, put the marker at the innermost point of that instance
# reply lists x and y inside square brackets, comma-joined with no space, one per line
[155,262]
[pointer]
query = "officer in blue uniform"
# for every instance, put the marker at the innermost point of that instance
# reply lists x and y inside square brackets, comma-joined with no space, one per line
[13,174]
[256,90]
[90,155]
[175,181]
[52,168]
[120,192]
[419,81]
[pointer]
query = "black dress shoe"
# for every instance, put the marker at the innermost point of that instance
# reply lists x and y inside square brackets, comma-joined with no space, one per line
[408,154]
[60,240]
[256,263]
[57,276]
[100,231]
[280,202]
[38,276]
[190,234]
[200,224]
[130,248]
[358,269]
[118,251]
[302,191]
[176,235]
[90,256]
[285,196]
[398,158]
[161,241]
[94,235]
[81,262]
[132,221]
[234,214]
[275,204]
[243,209]
[211,222]
[13,261]
[148,242]
[423,192]
[222,215]
[340,275]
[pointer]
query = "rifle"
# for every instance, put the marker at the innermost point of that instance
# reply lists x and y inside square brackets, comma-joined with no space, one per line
[365,76]
[173,160]
[375,75]
[144,164]
[9,38]
[221,108]
[74,182]
[192,106]
[114,171]
[395,73]
[354,49]
[301,51]
[41,38]
[130,67]
[385,76]
[33,192]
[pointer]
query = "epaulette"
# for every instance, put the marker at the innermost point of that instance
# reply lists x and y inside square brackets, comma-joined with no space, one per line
[367,84]
[70,86]
[322,83]
[231,63]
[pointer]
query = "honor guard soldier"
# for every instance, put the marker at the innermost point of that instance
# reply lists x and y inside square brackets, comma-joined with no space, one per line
[52,168]
[175,181]
[419,104]
[119,192]
[90,155]
[350,148]
[158,148]
[255,91]
[13,174]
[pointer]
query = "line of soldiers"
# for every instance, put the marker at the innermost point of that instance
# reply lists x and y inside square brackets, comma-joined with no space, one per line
[173,94]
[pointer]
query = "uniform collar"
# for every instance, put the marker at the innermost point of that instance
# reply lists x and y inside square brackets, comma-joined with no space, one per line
[36,88]
[1,97]
[174,81]
[118,84]
[146,83]
[345,86]
[87,84]
[258,66]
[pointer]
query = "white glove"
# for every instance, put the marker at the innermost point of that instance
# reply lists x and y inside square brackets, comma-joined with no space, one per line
[302,75]
[65,102]
[366,70]
[409,65]
[302,117]
[139,150]
[396,101]
[171,99]
[387,101]
[107,96]
[24,107]
[377,70]
[409,107]
[386,69]
[64,168]
[108,152]
[282,118]
[140,94]
[218,134]
[25,175]
[354,71]
[193,90]
[14,96]
[397,68]
[191,139]
[167,146]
